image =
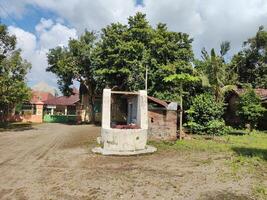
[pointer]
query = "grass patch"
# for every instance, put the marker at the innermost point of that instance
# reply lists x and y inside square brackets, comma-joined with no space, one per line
[260,192]
[251,145]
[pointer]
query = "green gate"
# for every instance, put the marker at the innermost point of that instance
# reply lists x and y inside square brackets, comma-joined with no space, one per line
[60,118]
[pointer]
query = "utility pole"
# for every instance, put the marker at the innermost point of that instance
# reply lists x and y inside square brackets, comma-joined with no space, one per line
[146,78]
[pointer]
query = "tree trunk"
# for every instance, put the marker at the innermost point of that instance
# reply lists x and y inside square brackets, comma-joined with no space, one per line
[181,113]
[88,103]
[91,107]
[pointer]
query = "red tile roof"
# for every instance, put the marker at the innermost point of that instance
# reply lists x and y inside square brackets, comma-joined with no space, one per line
[38,96]
[63,100]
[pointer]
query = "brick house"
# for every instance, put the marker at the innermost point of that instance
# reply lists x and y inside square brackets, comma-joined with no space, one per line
[162,119]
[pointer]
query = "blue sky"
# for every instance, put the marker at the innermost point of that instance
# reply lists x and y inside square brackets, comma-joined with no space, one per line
[32,17]
[29,20]
[43,24]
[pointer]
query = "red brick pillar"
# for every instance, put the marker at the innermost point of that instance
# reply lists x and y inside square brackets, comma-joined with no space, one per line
[39,112]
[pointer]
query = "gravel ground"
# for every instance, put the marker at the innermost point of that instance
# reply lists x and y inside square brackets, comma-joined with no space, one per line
[54,161]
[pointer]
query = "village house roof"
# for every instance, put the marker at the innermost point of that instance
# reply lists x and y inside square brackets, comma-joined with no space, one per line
[262,93]
[158,101]
[64,100]
[38,96]
[166,104]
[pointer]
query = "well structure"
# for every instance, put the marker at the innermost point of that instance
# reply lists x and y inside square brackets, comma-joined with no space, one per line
[130,139]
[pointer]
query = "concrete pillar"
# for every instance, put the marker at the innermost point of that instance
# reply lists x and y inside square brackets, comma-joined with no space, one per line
[142,110]
[66,110]
[106,107]
[52,111]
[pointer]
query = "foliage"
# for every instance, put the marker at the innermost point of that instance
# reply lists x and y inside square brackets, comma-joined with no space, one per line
[217,127]
[74,62]
[251,62]
[13,71]
[205,115]
[119,58]
[7,42]
[250,109]
[181,79]
[124,52]
[214,70]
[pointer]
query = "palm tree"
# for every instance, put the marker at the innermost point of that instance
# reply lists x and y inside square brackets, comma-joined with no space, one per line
[213,70]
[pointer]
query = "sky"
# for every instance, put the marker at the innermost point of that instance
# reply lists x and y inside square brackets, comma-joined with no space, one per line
[44,24]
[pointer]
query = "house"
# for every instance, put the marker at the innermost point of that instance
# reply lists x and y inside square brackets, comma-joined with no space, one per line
[233,98]
[62,108]
[32,111]
[162,119]
[45,107]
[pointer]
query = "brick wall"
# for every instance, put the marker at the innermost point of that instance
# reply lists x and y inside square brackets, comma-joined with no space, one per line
[32,118]
[162,124]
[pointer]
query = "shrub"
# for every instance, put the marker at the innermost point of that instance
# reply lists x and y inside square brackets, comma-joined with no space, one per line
[217,127]
[205,115]
[250,109]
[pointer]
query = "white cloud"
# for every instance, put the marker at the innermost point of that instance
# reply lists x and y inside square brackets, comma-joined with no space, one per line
[90,14]
[43,25]
[57,35]
[25,41]
[209,21]
[35,46]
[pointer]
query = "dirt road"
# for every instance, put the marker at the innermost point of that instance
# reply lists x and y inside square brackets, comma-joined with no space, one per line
[54,161]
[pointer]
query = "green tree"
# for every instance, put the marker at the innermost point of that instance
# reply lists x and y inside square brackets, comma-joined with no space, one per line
[7,42]
[251,62]
[13,71]
[75,63]
[250,109]
[181,79]
[125,51]
[120,56]
[214,70]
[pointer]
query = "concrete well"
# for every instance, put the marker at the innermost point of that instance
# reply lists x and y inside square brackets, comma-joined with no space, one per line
[115,141]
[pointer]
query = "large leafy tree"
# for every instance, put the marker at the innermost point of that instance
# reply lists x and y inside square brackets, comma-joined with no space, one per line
[251,62]
[119,58]
[75,63]
[125,51]
[170,53]
[13,71]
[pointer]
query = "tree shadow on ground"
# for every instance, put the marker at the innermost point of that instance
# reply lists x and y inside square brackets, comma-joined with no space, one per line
[251,152]
[15,127]
[223,195]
